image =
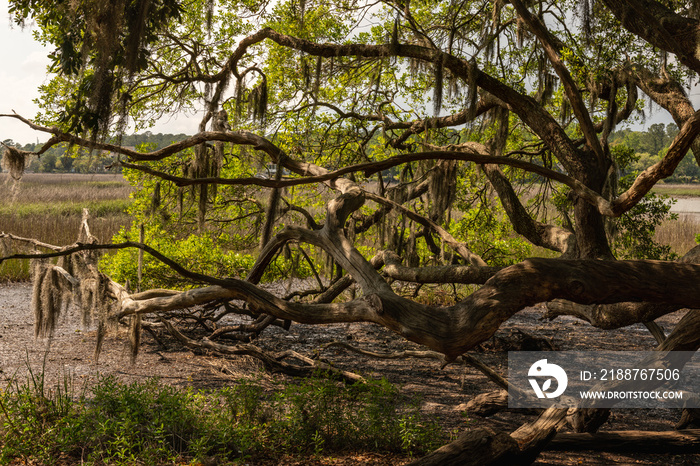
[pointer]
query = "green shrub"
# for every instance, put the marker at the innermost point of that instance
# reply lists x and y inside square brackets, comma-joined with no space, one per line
[150,423]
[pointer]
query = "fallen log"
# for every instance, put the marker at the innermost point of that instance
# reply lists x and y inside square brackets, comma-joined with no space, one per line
[476,447]
[673,441]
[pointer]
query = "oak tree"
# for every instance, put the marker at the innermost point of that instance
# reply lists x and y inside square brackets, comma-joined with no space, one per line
[393,141]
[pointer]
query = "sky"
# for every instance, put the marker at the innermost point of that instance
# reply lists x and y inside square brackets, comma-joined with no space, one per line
[22,71]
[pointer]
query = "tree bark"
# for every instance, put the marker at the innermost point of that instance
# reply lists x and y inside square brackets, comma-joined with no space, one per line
[661,27]
[480,446]
[676,442]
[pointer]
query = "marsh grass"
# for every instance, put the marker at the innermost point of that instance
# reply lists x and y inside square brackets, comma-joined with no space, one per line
[679,234]
[48,207]
[677,190]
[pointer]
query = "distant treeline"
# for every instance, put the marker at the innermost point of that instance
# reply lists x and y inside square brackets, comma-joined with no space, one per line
[650,146]
[64,158]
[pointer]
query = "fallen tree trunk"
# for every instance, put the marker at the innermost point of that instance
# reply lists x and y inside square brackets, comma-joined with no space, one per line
[476,447]
[676,441]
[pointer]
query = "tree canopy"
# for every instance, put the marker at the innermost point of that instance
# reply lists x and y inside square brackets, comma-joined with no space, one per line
[370,143]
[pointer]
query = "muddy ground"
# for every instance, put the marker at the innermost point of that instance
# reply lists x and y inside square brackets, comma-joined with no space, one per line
[442,391]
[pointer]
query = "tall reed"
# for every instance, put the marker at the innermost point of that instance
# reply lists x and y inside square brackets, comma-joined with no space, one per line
[679,234]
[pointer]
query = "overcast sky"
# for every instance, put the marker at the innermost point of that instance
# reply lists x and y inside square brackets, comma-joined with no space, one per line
[22,70]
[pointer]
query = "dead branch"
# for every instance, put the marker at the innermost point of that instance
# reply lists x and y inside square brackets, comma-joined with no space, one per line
[271,362]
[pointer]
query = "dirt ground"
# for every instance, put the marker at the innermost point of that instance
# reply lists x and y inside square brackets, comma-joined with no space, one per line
[71,350]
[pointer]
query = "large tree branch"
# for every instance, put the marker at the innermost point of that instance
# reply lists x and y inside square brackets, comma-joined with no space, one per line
[538,233]
[622,314]
[661,27]
[458,246]
[669,94]
[660,170]
[467,274]
[570,87]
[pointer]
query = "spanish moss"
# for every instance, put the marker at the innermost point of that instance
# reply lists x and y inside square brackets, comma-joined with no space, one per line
[437,90]
[13,161]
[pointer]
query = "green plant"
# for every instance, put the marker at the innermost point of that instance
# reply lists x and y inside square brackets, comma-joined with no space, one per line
[150,423]
[633,234]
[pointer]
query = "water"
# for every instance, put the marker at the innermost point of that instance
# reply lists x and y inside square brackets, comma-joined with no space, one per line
[687,205]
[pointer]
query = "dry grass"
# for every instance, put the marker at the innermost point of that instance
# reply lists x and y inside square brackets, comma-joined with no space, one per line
[48,207]
[57,188]
[679,234]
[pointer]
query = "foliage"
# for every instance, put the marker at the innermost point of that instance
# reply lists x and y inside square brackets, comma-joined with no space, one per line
[202,254]
[151,423]
[488,233]
[633,234]
[650,146]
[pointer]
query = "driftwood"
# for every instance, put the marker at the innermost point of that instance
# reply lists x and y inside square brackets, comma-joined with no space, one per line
[689,416]
[485,447]
[274,363]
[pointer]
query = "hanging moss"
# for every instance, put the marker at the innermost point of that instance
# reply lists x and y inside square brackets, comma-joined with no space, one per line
[134,336]
[442,188]
[565,111]
[51,295]
[520,32]
[13,161]
[587,20]
[239,99]
[155,198]
[472,93]
[209,14]
[258,101]
[437,90]
[394,42]
[317,76]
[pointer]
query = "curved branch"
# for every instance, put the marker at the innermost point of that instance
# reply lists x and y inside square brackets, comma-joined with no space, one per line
[572,92]
[660,170]
[458,246]
[538,233]
[661,27]
[668,94]
[467,274]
